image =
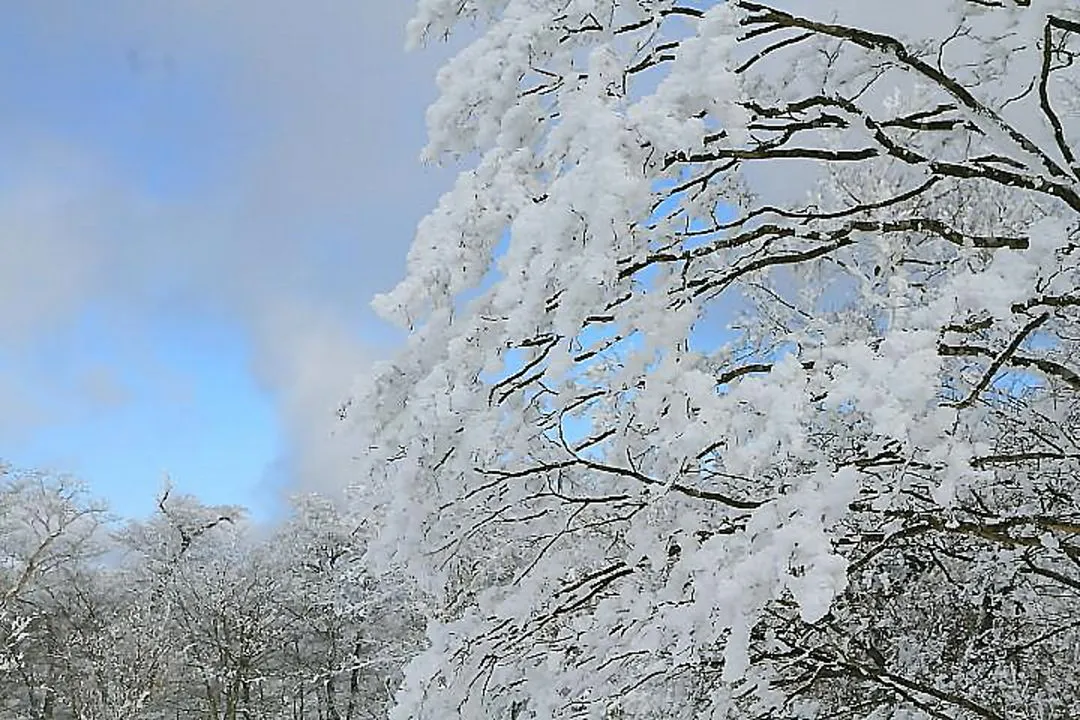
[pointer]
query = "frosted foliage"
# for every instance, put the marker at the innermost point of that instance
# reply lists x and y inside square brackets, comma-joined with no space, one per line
[192,613]
[742,376]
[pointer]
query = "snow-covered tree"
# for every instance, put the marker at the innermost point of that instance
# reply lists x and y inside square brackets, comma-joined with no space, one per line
[192,612]
[49,531]
[743,372]
[351,630]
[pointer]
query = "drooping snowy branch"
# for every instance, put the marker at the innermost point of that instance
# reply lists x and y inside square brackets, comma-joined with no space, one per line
[753,327]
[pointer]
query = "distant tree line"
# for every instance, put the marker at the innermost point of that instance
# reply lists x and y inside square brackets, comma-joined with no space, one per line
[192,613]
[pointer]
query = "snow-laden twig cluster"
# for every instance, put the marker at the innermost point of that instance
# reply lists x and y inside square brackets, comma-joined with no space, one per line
[743,371]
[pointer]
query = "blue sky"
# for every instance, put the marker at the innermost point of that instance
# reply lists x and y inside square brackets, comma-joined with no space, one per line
[182,401]
[196,202]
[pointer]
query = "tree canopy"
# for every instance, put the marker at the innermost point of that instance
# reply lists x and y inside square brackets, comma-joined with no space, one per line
[193,612]
[742,376]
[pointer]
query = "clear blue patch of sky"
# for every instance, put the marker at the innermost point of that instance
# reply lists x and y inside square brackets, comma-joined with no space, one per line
[187,405]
